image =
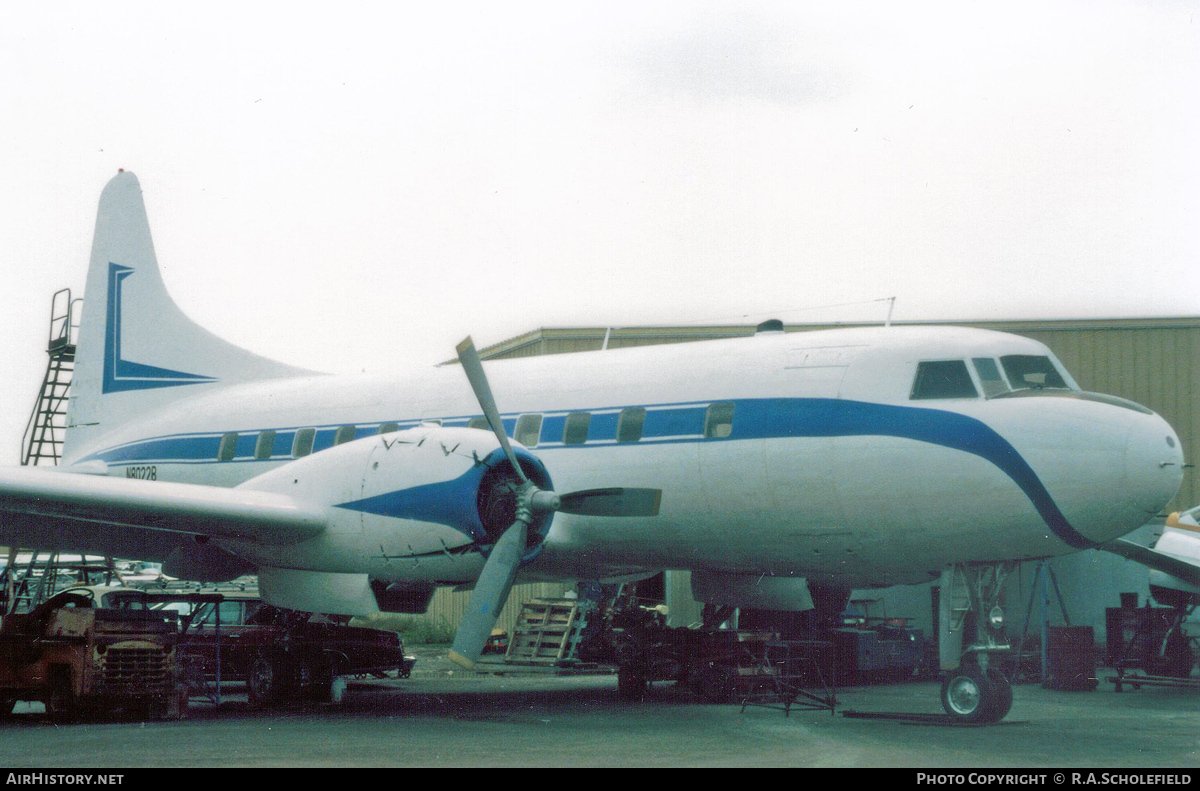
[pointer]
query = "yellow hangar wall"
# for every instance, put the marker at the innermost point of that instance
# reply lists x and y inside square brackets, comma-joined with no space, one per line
[1151,361]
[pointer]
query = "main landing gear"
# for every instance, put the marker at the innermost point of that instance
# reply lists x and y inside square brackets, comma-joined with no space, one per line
[970,635]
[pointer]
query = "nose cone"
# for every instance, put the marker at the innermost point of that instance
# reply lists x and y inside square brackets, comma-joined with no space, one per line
[1153,464]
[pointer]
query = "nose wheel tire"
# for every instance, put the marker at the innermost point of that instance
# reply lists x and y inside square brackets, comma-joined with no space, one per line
[1003,700]
[970,696]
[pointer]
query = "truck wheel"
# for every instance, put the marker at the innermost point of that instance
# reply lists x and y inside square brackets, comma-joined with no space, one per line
[631,683]
[715,685]
[265,684]
[151,709]
[62,705]
[178,708]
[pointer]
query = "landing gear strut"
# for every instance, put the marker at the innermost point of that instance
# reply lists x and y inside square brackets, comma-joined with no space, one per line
[970,633]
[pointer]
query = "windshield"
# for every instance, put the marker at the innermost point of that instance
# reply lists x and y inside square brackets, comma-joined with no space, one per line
[1031,371]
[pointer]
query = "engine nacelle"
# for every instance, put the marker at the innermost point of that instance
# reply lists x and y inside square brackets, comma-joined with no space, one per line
[417,496]
[759,592]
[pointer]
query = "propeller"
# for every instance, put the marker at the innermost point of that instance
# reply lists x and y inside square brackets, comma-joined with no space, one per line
[469,358]
[496,580]
[612,502]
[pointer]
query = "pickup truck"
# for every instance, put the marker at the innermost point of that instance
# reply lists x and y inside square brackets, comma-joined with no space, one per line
[279,653]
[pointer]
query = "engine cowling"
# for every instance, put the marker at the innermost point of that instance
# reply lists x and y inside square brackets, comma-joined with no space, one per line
[422,490]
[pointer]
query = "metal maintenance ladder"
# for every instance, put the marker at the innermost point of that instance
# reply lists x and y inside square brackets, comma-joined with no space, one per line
[42,443]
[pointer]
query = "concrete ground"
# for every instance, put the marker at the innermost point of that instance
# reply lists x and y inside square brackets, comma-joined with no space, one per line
[444,717]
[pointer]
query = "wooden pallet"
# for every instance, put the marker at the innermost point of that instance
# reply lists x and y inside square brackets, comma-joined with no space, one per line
[546,633]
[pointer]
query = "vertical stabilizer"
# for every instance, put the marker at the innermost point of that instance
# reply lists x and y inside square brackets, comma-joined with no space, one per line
[136,349]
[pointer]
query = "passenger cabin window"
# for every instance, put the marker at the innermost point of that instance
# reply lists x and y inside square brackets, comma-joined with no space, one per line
[989,376]
[303,443]
[388,428]
[575,429]
[343,434]
[529,430]
[718,420]
[1031,371]
[228,447]
[943,379]
[630,423]
[264,446]
[478,422]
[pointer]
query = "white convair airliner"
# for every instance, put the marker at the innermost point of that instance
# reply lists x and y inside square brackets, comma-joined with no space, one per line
[773,467]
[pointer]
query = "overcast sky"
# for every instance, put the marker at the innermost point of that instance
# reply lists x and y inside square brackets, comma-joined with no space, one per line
[360,187]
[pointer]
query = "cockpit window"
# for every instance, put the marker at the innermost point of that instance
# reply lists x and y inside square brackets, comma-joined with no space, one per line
[1031,371]
[943,379]
[989,376]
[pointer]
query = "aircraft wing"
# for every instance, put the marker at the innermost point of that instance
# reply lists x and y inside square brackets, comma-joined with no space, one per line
[1185,570]
[33,499]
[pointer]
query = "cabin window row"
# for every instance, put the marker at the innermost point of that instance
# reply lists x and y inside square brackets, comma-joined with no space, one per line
[264,443]
[577,429]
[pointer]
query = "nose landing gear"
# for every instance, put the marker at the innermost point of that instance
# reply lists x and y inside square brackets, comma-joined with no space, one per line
[974,696]
[973,691]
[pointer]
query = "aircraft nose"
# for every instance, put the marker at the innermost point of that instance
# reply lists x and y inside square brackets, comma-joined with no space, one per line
[1153,464]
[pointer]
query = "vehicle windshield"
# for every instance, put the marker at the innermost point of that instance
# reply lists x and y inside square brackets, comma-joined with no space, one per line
[1031,371]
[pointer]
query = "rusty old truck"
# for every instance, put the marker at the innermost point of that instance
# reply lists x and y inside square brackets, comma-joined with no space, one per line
[78,658]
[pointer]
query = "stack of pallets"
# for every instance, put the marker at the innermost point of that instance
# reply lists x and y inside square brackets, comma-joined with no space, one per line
[546,633]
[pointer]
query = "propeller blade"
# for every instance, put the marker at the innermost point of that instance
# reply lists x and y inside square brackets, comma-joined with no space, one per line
[487,600]
[612,502]
[469,359]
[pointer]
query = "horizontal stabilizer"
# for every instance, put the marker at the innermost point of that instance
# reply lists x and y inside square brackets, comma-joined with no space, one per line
[241,514]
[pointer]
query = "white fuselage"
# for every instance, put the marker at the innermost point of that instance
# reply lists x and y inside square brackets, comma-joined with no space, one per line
[829,469]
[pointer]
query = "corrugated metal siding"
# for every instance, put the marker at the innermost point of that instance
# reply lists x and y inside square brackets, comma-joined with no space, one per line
[1154,366]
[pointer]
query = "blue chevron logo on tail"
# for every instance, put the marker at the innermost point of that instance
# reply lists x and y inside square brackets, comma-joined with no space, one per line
[121,374]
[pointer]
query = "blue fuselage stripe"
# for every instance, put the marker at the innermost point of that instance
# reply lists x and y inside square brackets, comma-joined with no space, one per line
[756,418]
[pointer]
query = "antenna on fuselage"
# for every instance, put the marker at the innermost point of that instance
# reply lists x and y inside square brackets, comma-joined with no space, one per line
[891,307]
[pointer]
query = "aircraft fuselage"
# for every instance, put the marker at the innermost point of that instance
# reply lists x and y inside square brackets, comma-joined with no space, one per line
[801,454]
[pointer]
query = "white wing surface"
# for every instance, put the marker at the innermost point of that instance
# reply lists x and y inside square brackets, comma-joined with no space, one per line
[35,504]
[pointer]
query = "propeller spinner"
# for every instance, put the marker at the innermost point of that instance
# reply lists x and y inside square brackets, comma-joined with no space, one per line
[496,580]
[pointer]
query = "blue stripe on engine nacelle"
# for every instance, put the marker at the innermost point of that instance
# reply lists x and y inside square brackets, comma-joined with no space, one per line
[453,502]
[450,503]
